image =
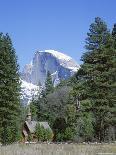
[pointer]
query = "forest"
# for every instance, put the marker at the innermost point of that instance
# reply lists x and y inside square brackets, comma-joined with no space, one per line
[80,109]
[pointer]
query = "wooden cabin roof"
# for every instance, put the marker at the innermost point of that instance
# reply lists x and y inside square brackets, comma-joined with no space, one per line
[32,125]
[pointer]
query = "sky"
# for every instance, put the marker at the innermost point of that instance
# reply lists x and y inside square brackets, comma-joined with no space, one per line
[61,25]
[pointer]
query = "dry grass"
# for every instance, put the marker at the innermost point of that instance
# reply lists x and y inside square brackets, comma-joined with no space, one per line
[58,149]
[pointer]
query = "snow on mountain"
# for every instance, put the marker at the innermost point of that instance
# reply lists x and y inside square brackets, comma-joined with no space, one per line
[28,91]
[52,61]
[64,60]
[58,64]
[58,55]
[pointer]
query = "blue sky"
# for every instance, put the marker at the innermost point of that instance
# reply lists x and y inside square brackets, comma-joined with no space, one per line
[52,24]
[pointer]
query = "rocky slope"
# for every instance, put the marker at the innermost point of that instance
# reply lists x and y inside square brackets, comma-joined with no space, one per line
[34,74]
[58,64]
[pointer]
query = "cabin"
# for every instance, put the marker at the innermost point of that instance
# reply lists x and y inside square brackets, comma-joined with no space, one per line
[29,128]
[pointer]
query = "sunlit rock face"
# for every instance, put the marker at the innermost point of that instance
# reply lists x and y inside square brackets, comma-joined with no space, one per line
[58,64]
[34,74]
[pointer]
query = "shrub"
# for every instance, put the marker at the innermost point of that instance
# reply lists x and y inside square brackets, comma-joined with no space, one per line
[48,134]
[29,138]
[59,137]
[43,134]
[69,134]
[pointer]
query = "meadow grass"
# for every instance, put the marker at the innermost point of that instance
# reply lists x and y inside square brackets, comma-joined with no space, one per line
[58,149]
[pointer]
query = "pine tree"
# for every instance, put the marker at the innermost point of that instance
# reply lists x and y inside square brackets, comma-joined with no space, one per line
[9,92]
[114,30]
[48,84]
[113,81]
[40,105]
[95,84]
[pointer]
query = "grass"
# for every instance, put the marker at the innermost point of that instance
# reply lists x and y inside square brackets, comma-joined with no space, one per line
[58,149]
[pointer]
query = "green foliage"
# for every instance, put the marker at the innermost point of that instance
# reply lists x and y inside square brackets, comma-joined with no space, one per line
[48,84]
[95,82]
[40,133]
[66,134]
[88,110]
[85,128]
[114,30]
[33,108]
[43,134]
[70,114]
[29,138]
[39,107]
[9,91]
[49,106]
[97,35]
[69,134]
[48,135]
[59,127]
[59,137]
[53,108]
[65,128]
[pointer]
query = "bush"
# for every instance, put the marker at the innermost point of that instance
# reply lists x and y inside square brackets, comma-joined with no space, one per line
[29,138]
[69,134]
[43,134]
[59,137]
[66,135]
[48,134]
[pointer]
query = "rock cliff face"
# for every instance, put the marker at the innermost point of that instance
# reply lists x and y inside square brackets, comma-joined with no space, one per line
[34,74]
[59,65]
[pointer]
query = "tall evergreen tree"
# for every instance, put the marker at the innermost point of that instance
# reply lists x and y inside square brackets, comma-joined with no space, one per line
[39,107]
[48,84]
[9,92]
[114,30]
[113,80]
[95,84]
